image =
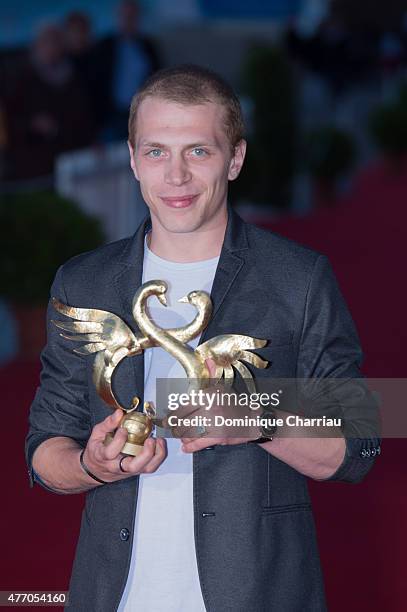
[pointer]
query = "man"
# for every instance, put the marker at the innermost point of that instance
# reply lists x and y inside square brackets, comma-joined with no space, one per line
[121,62]
[220,523]
[47,110]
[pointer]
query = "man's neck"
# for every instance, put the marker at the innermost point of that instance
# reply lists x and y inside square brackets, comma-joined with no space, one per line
[186,247]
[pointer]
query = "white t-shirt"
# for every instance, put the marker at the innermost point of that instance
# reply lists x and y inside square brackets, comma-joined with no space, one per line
[163,574]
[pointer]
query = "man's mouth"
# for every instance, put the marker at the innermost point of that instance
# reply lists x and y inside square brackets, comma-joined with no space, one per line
[179,201]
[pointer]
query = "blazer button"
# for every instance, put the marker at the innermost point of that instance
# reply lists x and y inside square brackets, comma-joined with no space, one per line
[124,534]
[363,453]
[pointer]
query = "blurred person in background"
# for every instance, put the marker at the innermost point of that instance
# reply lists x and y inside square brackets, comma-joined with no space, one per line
[80,47]
[47,111]
[78,35]
[390,52]
[124,61]
[329,52]
[3,138]
[403,37]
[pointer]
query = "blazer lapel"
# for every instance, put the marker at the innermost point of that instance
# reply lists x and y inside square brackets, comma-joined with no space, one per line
[126,282]
[230,263]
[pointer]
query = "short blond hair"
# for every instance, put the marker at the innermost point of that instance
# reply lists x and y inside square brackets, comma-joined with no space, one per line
[191,85]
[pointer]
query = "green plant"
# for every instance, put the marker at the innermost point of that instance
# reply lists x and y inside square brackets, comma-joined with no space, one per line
[38,232]
[269,167]
[329,152]
[388,126]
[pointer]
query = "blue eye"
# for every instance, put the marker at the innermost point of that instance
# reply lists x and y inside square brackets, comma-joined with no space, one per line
[199,152]
[154,153]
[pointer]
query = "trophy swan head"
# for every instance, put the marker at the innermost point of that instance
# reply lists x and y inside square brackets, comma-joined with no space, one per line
[192,363]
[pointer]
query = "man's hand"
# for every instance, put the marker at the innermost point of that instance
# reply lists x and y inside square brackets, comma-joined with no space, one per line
[214,434]
[103,461]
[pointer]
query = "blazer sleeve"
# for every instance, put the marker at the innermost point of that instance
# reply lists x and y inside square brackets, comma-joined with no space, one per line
[330,349]
[60,406]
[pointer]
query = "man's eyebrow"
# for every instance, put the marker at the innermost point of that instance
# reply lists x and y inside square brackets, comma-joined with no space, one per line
[146,143]
[202,143]
[160,145]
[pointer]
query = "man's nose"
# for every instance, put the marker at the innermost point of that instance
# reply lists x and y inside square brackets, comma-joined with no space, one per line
[177,171]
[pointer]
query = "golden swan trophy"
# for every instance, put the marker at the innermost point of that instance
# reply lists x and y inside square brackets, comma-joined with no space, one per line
[112,340]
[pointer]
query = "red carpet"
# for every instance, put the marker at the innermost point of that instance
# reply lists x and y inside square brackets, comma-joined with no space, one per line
[38,529]
[362,529]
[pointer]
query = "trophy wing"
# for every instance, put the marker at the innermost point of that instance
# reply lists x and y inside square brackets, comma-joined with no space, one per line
[229,351]
[100,329]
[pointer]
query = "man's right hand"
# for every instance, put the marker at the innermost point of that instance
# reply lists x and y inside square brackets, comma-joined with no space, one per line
[103,461]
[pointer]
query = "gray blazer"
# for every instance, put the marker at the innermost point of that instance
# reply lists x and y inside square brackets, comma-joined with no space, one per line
[254,529]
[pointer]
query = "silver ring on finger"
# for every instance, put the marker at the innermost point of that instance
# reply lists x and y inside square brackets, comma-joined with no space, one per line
[201,431]
[121,466]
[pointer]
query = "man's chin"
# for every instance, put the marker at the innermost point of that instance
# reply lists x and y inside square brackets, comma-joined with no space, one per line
[180,228]
[183,223]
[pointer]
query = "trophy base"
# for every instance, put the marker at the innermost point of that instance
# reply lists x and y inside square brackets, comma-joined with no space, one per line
[132,449]
[129,448]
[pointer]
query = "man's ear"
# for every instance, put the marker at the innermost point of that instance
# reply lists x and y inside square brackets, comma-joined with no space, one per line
[236,163]
[132,163]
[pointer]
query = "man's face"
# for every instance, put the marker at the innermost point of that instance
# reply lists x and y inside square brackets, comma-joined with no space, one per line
[183,161]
